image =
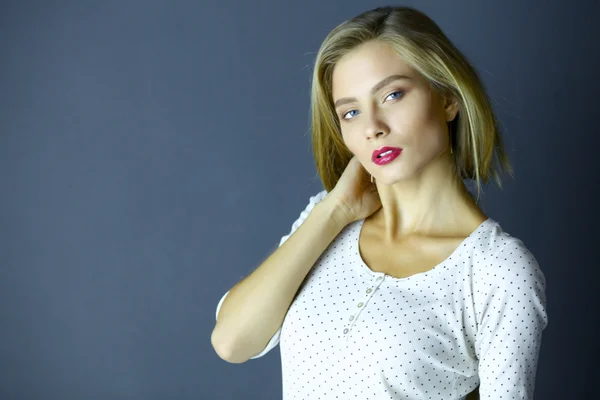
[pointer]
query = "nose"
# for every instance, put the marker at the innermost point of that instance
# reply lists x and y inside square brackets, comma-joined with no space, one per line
[376,127]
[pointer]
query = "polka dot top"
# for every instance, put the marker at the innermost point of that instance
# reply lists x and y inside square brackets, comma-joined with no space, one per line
[475,319]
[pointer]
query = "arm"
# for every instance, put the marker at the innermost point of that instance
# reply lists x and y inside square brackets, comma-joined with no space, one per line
[254,309]
[511,314]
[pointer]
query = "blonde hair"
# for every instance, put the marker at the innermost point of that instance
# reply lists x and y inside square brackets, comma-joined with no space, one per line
[474,132]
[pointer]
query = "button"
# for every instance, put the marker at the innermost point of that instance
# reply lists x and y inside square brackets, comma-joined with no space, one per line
[369,290]
[360,304]
[346,330]
[379,278]
[351,317]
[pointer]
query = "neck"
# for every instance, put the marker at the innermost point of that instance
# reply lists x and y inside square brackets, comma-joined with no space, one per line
[433,203]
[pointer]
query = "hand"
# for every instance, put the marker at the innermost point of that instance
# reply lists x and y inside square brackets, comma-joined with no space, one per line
[354,194]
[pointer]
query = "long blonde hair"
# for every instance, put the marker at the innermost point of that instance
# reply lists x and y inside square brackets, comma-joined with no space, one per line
[474,132]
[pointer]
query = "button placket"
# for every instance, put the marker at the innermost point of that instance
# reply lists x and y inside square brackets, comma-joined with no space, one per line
[360,305]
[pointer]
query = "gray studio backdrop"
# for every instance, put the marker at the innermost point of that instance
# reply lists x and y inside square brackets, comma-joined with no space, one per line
[153,153]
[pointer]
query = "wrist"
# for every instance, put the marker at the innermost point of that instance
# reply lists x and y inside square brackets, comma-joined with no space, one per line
[335,211]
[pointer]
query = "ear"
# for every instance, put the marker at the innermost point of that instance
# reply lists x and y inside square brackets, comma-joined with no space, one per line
[451,108]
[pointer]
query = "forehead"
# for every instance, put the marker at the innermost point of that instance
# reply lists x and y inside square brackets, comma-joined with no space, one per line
[361,68]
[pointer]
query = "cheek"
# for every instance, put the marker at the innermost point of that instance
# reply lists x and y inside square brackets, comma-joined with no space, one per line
[351,139]
[430,139]
[421,129]
[418,113]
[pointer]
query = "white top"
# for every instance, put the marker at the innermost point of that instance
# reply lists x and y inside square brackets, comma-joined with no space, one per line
[474,319]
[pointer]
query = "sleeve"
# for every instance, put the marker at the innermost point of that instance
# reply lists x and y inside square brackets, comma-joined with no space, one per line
[313,200]
[510,304]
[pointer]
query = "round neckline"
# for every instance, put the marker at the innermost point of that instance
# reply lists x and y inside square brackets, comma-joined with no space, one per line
[363,269]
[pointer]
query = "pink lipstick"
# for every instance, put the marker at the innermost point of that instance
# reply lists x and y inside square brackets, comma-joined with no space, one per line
[385,155]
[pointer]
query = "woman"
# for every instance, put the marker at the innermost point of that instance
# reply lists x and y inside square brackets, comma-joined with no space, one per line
[397,286]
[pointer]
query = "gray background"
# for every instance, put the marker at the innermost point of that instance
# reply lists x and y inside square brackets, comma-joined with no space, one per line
[153,153]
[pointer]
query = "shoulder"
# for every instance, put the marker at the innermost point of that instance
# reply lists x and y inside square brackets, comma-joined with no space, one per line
[491,239]
[513,257]
[507,280]
[504,260]
[493,243]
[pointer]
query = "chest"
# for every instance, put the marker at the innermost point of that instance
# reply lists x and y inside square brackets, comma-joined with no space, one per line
[346,322]
[406,258]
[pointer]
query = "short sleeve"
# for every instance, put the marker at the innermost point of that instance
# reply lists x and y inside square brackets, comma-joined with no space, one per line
[510,303]
[313,200]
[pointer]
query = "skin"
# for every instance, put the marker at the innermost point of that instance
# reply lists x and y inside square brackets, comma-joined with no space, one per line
[421,195]
[426,210]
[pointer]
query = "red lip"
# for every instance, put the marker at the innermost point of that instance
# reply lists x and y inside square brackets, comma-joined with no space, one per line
[383,150]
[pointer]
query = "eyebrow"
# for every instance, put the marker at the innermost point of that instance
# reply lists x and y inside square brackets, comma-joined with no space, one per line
[374,90]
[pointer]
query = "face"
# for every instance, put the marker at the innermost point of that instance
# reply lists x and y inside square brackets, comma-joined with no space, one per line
[374,112]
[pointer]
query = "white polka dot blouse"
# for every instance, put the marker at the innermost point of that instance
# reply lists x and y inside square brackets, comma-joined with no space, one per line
[475,319]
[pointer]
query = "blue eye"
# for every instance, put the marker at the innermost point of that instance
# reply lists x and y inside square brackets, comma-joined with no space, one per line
[344,116]
[396,92]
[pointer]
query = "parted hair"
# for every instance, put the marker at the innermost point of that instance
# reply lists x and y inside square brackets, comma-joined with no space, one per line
[477,146]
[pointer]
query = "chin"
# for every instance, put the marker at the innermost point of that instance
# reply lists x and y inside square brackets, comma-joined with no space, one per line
[392,178]
[398,174]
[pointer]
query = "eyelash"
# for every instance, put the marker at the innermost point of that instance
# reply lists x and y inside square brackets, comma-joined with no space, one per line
[396,91]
